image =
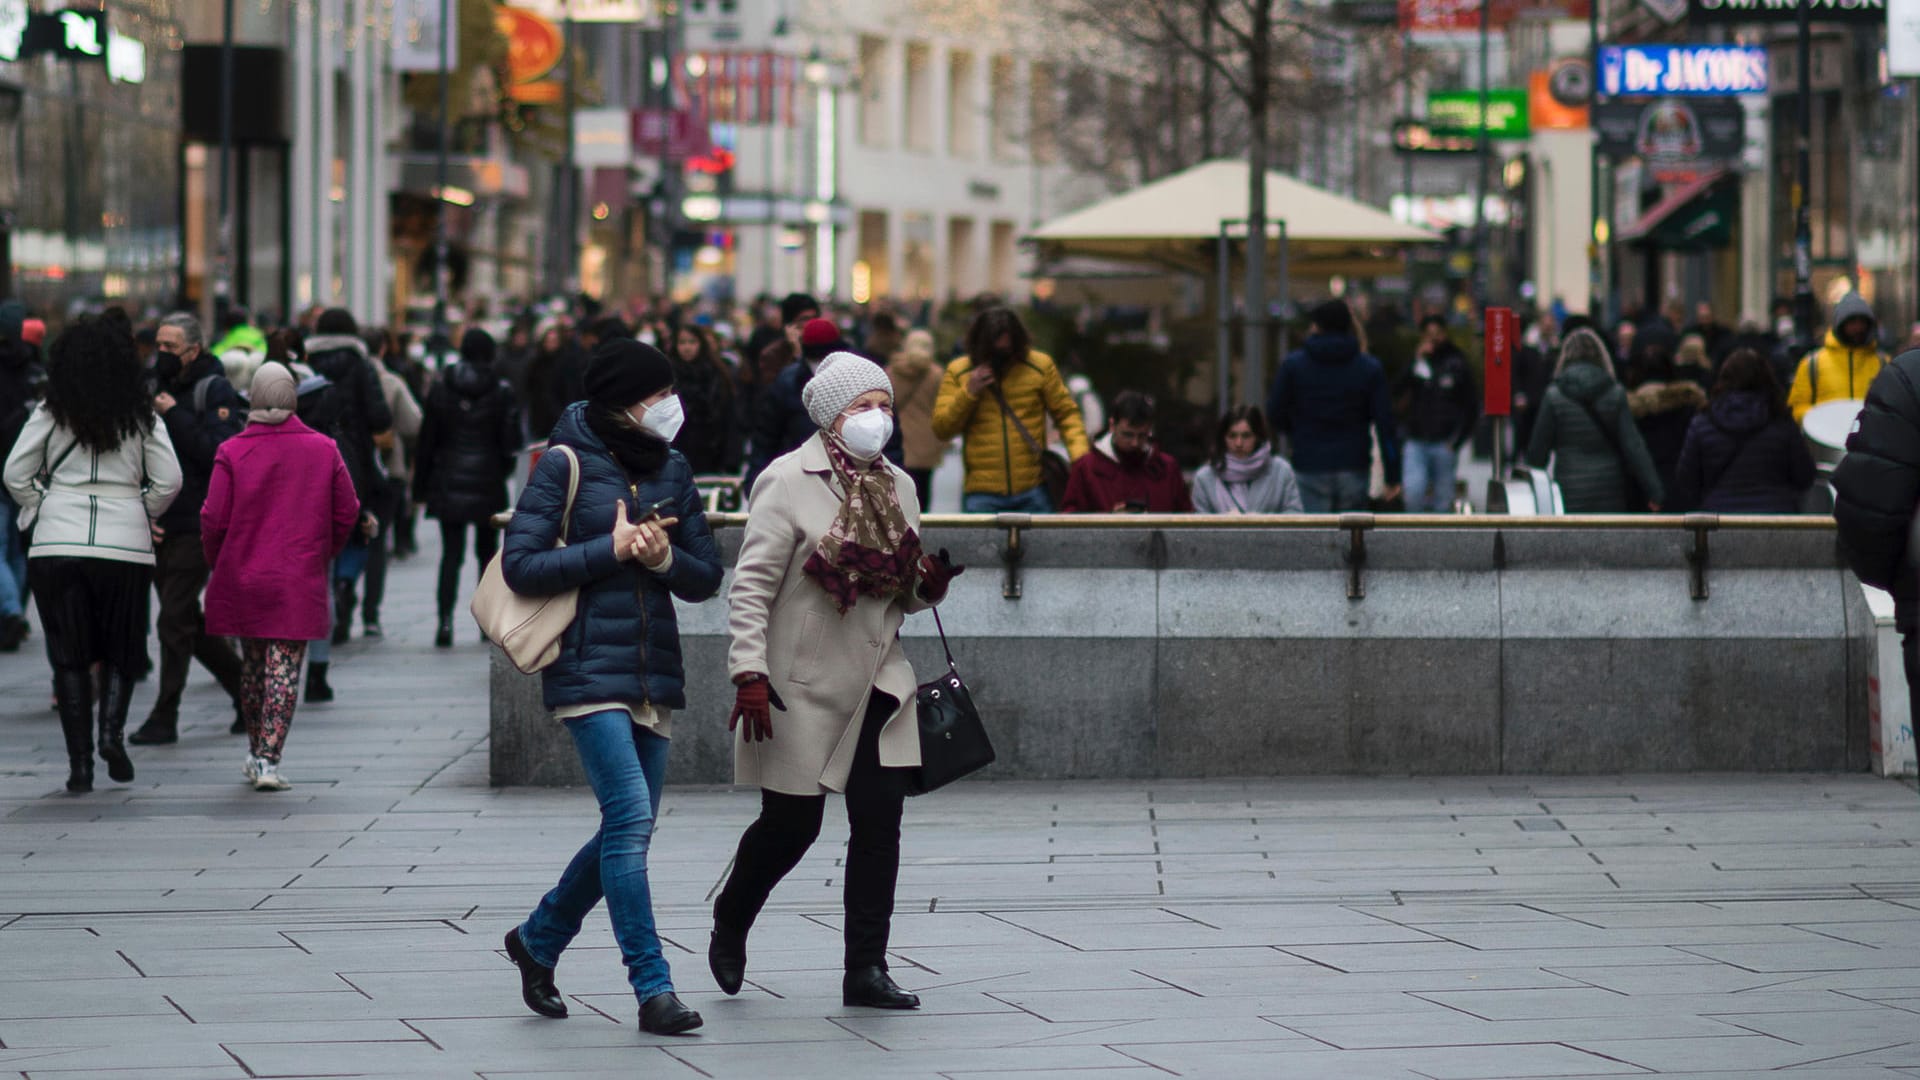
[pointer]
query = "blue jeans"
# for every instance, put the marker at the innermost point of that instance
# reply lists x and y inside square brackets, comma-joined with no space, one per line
[1429,468]
[1334,492]
[627,766]
[13,560]
[1031,501]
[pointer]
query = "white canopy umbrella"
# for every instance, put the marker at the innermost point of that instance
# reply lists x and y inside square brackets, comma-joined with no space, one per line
[1175,222]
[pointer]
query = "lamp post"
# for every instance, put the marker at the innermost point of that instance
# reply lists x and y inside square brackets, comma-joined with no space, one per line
[441,276]
[223,260]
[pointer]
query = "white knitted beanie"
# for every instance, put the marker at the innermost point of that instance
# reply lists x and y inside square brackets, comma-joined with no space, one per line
[842,379]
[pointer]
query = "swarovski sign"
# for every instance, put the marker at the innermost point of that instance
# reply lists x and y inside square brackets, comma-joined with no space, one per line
[1693,70]
[1786,10]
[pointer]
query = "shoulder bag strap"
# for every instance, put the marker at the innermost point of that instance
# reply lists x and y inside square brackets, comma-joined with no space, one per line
[1606,432]
[1033,444]
[948,649]
[573,490]
[60,460]
[201,388]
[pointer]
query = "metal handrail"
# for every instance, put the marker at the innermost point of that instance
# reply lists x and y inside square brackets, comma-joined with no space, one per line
[1191,522]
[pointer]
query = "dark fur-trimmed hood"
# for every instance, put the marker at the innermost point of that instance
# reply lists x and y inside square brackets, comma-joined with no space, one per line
[1654,398]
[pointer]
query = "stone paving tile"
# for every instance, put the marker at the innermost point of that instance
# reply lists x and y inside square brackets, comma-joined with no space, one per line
[1322,927]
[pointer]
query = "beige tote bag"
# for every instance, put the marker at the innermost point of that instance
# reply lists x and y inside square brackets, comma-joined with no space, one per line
[528,628]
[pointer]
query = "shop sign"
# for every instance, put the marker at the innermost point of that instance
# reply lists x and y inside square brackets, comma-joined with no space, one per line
[13,27]
[603,11]
[1710,70]
[1456,111]
[126,59]
[1722,11]
[534,44]
[1828,71]
[1903,38]
[69,34]
[1672,135]
[416,37]
[602,138]
[1457,16]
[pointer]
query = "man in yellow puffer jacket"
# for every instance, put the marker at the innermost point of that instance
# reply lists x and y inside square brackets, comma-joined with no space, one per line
[1845,367]
[1002,369]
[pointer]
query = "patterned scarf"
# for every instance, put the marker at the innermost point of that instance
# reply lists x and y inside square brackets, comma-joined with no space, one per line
[870,549]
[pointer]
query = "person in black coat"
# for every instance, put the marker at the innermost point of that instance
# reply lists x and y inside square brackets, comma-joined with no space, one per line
[22,380]
[201,410]
[710,439]
[1663,405]
[357,413]
[468,439]
[618,676]
[1744,454]
[781,422]
[1876,492]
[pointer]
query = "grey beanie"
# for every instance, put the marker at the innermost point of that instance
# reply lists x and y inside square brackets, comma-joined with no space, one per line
[842,379]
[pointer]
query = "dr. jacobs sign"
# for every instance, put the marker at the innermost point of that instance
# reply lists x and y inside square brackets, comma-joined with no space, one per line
[1691,70]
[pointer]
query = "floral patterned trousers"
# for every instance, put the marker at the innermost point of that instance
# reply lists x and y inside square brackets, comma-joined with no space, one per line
[269,690]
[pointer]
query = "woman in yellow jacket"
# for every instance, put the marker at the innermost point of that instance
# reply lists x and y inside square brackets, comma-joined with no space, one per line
[1843,369]
[999,396]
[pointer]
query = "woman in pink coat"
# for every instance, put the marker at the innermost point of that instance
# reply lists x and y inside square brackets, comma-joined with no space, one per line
[279,510]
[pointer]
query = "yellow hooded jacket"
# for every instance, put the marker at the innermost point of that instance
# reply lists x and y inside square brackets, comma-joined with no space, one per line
[1836,372]
[998,460]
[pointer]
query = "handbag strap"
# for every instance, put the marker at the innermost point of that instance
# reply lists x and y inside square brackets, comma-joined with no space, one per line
[1033,444]
[60,460]
[948,649]
[573,490]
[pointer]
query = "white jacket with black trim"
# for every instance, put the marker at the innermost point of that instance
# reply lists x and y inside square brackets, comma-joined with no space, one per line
[95,505]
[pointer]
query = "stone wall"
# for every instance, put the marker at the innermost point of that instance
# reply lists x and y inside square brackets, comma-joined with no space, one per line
[1219,652]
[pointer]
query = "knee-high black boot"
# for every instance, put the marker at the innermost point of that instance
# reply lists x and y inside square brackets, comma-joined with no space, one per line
[73,696]
[116,695]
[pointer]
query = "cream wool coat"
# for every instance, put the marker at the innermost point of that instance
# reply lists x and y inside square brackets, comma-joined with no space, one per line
[822,665]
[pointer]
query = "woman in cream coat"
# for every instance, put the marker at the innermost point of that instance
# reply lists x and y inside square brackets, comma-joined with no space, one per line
[830,566]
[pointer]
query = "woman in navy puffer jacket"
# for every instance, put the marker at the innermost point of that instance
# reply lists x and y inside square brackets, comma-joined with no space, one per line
[1744,454]
[618,677]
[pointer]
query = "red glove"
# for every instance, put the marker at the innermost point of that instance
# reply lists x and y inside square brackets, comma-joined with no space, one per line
[752,700]
[936,572]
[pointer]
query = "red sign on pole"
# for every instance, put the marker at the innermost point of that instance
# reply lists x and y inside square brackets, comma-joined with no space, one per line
[1499,333]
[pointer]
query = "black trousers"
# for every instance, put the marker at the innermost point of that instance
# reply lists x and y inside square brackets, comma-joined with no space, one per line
[788,825]
[180,575]
[93,611]
[393,494]
[453,554]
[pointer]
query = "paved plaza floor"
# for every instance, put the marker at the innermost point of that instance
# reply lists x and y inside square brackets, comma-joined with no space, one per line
[183,926]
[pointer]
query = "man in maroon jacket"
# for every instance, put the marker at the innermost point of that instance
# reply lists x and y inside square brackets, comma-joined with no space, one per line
[1126,473]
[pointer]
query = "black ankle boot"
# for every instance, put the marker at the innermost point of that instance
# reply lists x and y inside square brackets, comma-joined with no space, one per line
[317,688]
[443,637]
[727,958]
[870,987]
[342,612]
[73,697]
[664,1014]
[536,980]
[116,695]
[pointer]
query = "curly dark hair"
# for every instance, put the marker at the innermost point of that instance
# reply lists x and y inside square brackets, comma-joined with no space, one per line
[94,385]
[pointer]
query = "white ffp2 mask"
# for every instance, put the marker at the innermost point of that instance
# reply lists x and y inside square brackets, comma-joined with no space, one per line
[866,433]
[662,419]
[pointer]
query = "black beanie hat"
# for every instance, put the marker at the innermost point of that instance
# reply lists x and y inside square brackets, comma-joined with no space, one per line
[1333,317]
[476,347]
[796,305]
[624,371]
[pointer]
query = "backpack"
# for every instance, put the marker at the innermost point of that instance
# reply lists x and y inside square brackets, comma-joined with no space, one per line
[203,387]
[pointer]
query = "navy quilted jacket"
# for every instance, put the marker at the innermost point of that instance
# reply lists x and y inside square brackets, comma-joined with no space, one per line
[624,645]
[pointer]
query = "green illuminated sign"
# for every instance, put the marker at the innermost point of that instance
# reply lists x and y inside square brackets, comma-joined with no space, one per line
[1457,112]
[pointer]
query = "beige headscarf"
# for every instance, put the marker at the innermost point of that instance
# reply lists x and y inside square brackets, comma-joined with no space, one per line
[275,394]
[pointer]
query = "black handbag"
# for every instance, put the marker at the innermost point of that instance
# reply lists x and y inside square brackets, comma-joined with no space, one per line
[953,741]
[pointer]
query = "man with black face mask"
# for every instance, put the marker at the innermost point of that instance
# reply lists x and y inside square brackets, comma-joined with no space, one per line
[201,410]
[1846,366]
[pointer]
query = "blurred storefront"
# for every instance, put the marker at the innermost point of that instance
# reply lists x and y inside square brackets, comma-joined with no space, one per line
[90,163]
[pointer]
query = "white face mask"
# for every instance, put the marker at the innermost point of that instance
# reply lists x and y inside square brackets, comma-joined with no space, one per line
[662,419]
[866,433]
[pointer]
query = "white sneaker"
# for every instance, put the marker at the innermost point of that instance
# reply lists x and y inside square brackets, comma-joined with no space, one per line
[252,770]
[269,778]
